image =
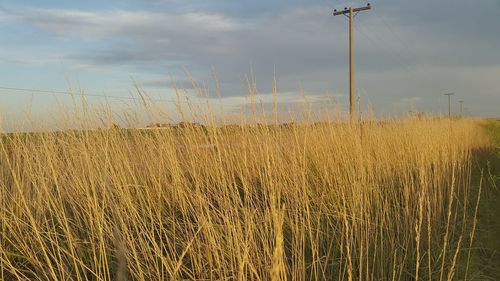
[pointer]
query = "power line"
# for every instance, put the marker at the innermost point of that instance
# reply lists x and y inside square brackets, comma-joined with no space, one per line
[63,92]
[67,93]
[391,30]
[71,94]
[400,60]
[403,62]
[406,67]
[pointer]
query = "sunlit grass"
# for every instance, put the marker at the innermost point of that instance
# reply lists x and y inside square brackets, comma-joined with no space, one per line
[371,200]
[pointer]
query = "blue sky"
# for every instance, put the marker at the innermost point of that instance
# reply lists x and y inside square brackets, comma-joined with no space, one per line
[408,52]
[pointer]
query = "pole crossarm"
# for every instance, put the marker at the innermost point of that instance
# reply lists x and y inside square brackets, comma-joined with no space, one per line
[354,10]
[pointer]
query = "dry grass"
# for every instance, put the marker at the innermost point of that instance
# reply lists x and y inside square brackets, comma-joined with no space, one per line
[325,201]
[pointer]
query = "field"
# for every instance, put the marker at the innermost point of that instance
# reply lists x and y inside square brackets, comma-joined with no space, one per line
[373,200]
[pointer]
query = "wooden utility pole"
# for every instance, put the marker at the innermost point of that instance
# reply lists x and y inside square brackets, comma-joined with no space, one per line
[449,103]
[461,102]
[351,12]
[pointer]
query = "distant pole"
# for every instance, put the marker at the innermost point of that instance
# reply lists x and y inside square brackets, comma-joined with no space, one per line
[351,64]
[449,103]
[461,102]
[352,12]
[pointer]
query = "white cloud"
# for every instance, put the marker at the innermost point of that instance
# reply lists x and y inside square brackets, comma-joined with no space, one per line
[74,23]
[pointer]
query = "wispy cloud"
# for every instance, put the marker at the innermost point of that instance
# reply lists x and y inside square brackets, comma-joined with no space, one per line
[74,23]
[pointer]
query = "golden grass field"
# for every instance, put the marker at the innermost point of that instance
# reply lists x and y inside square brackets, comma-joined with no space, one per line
[372,200]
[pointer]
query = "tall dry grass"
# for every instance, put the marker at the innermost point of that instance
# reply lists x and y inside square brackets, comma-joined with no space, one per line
[377,200]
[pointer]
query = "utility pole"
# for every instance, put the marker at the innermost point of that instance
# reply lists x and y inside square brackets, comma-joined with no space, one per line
[461,102]
[351,12]
[449,103]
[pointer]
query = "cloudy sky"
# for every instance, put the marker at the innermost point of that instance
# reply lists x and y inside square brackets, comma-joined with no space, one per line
[408,53]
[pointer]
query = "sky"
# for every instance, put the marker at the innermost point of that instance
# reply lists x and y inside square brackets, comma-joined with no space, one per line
[408,53]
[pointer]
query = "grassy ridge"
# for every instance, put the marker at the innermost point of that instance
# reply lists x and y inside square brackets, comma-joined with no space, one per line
[493,128]
[363,201]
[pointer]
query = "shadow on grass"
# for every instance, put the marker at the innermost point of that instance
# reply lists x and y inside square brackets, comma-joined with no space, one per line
[485,257]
